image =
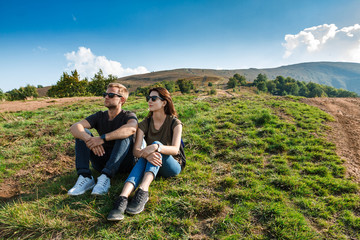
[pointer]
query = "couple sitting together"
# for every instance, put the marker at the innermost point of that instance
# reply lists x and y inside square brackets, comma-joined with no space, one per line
[115,151]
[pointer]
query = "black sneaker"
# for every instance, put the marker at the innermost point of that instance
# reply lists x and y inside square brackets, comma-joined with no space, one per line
[117,213]
[137,204]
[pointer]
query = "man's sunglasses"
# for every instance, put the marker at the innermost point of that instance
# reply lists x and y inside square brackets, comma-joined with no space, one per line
[111,95]
[153,98]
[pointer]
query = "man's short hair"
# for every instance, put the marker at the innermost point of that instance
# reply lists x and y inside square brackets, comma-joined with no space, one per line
[122,89]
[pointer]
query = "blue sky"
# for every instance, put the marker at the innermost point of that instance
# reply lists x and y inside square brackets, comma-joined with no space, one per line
[39,40]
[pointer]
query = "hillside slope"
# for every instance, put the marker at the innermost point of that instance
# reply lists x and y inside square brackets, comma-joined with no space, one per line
[335,74]
[258,167]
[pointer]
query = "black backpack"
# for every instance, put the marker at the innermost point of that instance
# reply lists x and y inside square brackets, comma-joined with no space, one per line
[182,145]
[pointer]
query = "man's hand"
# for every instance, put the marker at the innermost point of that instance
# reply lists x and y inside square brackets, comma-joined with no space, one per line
[155,158]
[95,144]
[98,151]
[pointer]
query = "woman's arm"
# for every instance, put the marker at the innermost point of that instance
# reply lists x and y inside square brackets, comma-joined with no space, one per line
[137,151]
[167,150]
[176,141]
[150,152]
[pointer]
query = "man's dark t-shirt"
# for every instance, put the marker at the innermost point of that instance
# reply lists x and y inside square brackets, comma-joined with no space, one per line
[100,121]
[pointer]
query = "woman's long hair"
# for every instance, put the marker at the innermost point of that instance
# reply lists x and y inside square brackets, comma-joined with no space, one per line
[164,94]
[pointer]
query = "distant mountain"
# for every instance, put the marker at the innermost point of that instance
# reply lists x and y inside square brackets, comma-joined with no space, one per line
[336,74]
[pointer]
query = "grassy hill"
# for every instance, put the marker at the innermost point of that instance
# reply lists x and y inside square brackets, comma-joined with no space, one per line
[335,74]
[258,167]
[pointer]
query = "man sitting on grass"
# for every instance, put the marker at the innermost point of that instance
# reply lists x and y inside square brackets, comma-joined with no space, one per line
[109,153]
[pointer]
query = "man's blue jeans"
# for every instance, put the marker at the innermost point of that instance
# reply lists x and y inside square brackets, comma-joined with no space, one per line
[116,159]
[170,167]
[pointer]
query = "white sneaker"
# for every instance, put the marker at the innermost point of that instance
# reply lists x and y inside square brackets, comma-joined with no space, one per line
[102,186]
[82,185]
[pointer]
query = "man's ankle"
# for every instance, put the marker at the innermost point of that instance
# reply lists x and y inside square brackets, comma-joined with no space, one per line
[106,174]
[86,175]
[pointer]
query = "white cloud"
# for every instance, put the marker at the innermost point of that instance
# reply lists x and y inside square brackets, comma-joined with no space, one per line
[324,43]
[87,64]
[40,49]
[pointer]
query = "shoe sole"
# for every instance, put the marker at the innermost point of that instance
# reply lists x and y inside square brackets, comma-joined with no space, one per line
[82,192]
[137,212]
[115,219]
[98,194]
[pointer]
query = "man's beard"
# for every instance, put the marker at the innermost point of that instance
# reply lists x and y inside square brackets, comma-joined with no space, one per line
[111,107]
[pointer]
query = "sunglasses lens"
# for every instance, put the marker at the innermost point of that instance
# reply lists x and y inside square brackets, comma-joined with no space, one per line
[111,95]
[153,98]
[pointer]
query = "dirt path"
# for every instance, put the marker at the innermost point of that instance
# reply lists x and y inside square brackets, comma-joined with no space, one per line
[30,105]
[345,130]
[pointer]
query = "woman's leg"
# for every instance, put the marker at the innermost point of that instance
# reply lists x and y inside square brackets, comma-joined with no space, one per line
[147,180]
[134,178]
[141,196]
[121,203]
[170,167]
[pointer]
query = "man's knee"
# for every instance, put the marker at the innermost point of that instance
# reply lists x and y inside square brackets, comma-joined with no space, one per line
[125,141]
[77,140]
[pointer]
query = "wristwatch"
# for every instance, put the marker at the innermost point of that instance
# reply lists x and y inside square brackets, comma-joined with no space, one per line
[103,137]
[159,148]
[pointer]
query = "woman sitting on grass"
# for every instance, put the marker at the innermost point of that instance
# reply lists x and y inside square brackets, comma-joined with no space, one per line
[162,132]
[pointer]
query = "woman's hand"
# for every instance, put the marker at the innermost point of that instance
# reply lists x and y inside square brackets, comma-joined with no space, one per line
[155,159]
[148,150]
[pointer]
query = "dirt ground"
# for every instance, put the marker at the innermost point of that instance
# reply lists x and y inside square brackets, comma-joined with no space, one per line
[345,132]
[30,105]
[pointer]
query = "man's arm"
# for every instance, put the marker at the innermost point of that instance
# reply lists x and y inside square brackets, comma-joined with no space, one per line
[78,130]
[124,131]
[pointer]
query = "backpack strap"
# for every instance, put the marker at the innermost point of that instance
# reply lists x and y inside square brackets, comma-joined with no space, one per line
[172,123]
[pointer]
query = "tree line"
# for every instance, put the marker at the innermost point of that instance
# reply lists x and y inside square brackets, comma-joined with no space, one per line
[282,86]
[19,94]
[182,85]
[70,85]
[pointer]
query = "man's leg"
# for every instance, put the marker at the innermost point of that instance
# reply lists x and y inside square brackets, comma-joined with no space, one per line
[82,157]
[121,158]
[85,181]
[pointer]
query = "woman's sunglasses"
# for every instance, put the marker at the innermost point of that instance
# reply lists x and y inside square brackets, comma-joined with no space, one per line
[111,95]
[153,98]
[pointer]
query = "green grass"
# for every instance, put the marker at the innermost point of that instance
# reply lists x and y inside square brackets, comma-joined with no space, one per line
[258,167]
